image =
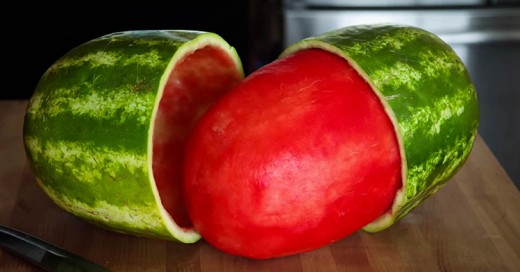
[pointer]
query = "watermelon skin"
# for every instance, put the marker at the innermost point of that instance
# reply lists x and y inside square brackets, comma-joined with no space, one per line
[428,95]
[89,124]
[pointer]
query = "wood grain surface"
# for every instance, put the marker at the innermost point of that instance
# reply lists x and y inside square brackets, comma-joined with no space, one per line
[471,224]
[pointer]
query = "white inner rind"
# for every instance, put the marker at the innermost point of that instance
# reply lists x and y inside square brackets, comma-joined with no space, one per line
[206,39]
[388,218]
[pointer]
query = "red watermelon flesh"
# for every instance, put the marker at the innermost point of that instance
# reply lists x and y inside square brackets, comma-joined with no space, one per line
[300,154]
[198,80]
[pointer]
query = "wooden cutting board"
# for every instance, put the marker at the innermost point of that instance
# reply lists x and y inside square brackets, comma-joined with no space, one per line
[471,224]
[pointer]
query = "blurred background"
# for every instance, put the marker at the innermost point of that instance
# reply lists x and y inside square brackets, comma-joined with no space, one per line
[485,34]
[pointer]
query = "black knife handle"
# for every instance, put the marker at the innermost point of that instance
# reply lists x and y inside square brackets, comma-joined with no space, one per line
[44,255]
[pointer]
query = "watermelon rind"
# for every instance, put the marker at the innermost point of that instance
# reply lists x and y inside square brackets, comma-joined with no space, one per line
[89,124]
[428,95]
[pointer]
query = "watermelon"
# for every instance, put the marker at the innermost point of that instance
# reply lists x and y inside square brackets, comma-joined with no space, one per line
[105,128]
[427,93]
[345,131]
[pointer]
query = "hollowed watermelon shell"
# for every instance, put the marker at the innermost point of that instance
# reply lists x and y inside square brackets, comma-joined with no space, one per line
[96,114]
[428,95]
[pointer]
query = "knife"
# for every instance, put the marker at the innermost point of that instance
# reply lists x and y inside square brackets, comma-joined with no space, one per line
[42,254]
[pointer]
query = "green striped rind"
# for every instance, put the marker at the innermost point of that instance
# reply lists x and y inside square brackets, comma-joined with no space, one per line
[428,95]
[88,128]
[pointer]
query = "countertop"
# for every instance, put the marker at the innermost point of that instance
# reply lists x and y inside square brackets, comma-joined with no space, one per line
[471,224]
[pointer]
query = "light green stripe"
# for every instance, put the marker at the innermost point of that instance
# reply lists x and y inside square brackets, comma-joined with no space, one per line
[100,58]
[451,157]
[440,63]
[117,104]
[397,76]
[86,161]
[110,58]
[386,41]
[151,59]
[432,116]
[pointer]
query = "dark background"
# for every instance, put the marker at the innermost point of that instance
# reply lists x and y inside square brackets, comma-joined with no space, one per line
[34,37]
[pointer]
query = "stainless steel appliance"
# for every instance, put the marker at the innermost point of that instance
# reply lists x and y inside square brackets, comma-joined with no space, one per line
[485,34]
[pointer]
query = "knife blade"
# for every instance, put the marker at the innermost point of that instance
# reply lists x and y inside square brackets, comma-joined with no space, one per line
[43,254]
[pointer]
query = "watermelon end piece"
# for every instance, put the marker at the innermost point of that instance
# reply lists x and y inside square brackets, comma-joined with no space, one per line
[435,133]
